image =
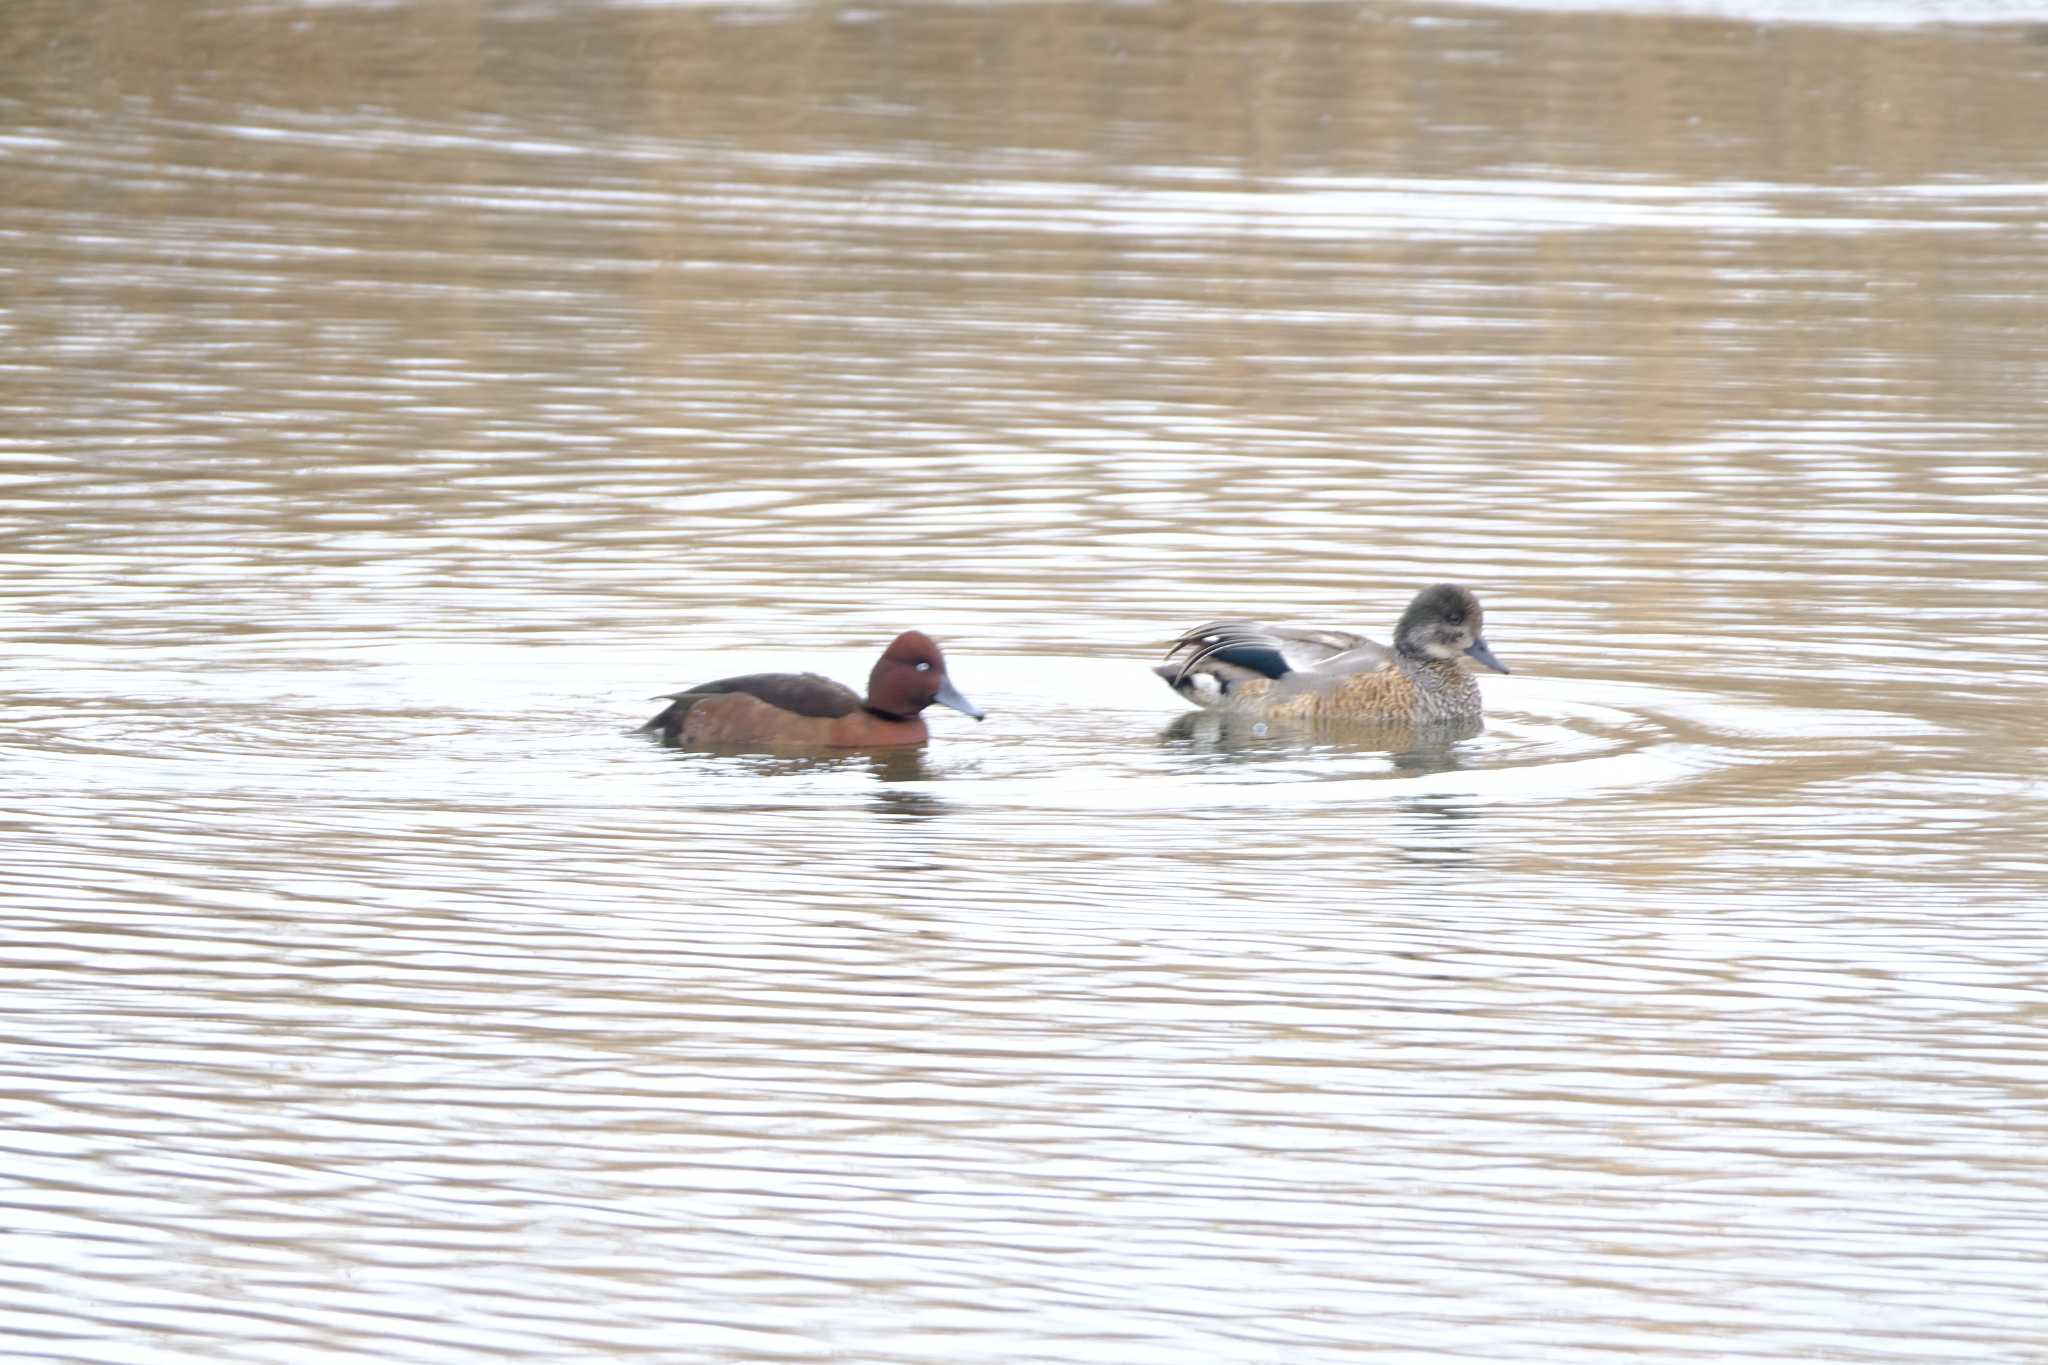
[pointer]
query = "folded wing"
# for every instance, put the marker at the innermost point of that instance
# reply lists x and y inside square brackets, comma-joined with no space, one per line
[805,694]
[1235,650]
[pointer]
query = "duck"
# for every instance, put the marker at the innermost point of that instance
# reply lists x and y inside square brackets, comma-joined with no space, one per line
[781,711]
[1296,674]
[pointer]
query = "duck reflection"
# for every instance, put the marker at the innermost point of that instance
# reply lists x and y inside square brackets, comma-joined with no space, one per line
[884,765]
[1412,749]
[890,769]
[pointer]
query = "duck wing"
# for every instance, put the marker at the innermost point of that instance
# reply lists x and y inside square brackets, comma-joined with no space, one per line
[805,694]
[1275,651]
[1359,656]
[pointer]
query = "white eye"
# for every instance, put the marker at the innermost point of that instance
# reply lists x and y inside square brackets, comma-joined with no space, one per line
[924,668]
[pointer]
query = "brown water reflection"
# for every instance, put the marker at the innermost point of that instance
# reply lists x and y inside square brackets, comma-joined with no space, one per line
[395,397]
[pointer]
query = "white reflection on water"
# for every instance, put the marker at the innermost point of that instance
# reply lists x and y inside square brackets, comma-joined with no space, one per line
[1440,206]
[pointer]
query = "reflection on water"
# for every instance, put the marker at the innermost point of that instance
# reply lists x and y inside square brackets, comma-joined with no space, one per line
[1409,748]
[395,396]
[880,765]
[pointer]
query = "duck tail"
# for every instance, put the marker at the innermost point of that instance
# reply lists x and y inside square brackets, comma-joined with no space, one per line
[1224,643]
[669,723]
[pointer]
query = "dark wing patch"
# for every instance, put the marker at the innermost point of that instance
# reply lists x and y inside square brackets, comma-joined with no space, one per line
[806,694]
[1231,642]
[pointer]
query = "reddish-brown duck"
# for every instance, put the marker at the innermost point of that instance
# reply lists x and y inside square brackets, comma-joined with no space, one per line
[806,711]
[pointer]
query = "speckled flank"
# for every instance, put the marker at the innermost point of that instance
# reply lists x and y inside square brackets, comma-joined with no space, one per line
[1419,692]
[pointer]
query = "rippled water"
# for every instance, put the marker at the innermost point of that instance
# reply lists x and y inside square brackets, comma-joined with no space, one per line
[393,399]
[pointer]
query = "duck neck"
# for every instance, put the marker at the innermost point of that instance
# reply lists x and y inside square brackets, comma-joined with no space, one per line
[1426,671]
[1446,688]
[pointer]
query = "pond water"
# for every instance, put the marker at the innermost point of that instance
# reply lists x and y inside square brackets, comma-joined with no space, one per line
[394,398]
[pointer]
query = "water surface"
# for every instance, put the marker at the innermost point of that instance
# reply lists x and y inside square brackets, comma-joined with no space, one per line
[393,399]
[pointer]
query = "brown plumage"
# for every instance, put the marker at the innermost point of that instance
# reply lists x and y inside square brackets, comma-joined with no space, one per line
[780,711]
[1289,673]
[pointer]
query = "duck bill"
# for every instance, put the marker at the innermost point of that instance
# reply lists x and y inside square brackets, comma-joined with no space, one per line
[949,695]
[1485,655]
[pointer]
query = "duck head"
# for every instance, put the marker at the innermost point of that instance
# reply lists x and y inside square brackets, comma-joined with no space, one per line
[1444,622]
[911,675]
